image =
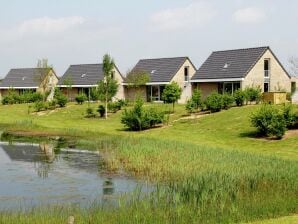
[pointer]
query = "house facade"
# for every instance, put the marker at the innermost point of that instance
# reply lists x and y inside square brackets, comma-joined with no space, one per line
[227,71]
[162,71]
[82,78]
[24,79]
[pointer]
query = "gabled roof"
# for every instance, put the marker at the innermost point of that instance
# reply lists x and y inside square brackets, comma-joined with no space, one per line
[230,64]
[83,75]
[160,69]
[24,78]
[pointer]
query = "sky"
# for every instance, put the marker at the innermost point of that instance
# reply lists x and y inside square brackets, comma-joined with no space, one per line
[81,31]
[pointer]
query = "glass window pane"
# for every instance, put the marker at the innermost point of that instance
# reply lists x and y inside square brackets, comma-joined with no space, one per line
[228,87]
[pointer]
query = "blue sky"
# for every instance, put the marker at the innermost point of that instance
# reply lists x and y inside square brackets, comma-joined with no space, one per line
[75,32]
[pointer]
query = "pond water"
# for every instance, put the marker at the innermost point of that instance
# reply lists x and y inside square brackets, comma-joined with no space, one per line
[33,175]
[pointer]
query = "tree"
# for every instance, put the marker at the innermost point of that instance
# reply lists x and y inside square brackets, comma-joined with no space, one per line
[108,87]
[172,93]
[41,76]
[136,79]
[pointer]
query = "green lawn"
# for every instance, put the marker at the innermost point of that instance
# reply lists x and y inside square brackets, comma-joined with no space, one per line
[215,168]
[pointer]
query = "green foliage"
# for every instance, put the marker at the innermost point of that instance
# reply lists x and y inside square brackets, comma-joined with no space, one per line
[227,101]
[81,98]
[94,94]
[108,87]
[214,102]
[61,100]
[116,106]
[171,93]
[27,97]
[253,94]
[39,106]
[239,97]
[138,118]
[190,106]
[289,115]
[90,112]
[101,110]
[135,79]
[52,104]
[270,121]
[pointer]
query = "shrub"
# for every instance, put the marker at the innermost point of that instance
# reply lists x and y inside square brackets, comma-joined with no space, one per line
[61,100]
[289,115]
[190,106]
[171,93]
[138,118]
[90,112]
[101,110]
[94,94]
[34,97]
[269,121]
[253,94]
[53,104]
[113,107]
[239,97]
[81,98]
[39,106]
[7,100]
[214,102]
[227,101]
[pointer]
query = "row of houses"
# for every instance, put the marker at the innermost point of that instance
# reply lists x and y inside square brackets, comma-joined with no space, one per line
[223,72]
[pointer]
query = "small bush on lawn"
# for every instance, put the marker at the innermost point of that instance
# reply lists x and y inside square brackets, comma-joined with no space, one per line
[113,107]
[239,97]
[227,101]
[195,102]
[289,115]
[90,112]
[138,118]
[81,98]
[270,121]
[214,102]
[61,100]
[53,104]
[39,106]
[101,110]
[253,94]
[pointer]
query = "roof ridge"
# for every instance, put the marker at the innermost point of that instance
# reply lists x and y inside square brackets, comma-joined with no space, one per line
[27,68]
[240,49]
[143,59]
[86,64]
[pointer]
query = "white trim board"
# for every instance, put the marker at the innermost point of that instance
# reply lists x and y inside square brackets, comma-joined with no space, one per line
[76,86]
[218,80]
[5,87]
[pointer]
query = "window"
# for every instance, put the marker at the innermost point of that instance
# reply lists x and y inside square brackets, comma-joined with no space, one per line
[266,87]
[228,87]
[83,75]
[226,65]
[186,75]
[266,67]
[154,93]
[113,74]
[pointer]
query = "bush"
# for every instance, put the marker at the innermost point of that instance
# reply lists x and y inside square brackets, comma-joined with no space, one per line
[61,100]
[253,94]
[90,112]
[190,106]
[239,97]
[81,98]
[214,102]
[113,107]
[53,104]
[269,121]
[227,101]
[94,94]
[101,110]
[138,118]
[289,115]
[39,106]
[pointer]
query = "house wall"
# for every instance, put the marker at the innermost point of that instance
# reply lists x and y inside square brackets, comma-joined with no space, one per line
[132,93]
[206,88]
[48,83]
[185,86]
[119,78]
[71,93]
[279,80]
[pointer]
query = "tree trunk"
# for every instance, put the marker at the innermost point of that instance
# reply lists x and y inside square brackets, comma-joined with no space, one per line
[106,106]
[173,107]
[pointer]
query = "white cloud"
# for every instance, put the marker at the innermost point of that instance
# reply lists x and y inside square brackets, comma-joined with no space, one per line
[46,25]
[249,15]
[197,13]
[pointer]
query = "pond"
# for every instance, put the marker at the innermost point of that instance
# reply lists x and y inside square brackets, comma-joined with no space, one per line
[34,175]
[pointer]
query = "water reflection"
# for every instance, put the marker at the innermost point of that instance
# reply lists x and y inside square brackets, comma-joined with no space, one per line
[35,174]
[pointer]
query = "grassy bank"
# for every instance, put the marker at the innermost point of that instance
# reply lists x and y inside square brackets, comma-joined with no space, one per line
[214,169]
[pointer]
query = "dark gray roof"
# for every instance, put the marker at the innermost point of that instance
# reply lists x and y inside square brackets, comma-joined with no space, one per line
[84,74]
[238,63]
[160,69]
[24,77]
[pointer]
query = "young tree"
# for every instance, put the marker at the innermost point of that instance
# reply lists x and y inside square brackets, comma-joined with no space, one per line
[107,88]
[136,79]
[41,76]
[171,94]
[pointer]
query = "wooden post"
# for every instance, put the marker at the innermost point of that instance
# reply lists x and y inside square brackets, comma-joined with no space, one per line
[71,220]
